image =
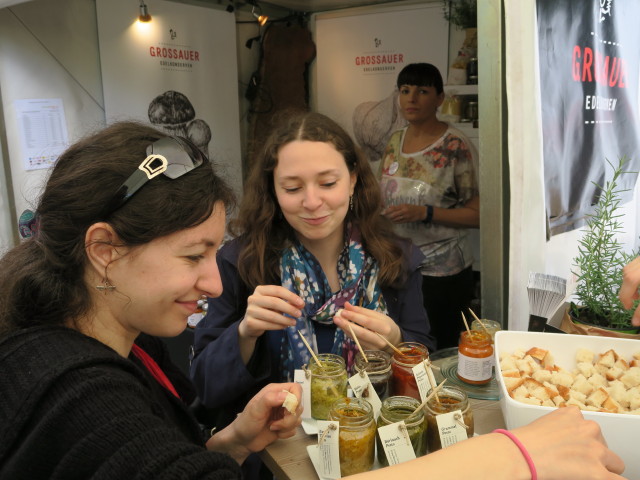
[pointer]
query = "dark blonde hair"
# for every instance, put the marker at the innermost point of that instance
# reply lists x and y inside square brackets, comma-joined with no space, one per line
[265,231]
[42,279]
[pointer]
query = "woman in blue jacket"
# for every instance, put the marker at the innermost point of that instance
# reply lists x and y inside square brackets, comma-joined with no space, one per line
[310,241]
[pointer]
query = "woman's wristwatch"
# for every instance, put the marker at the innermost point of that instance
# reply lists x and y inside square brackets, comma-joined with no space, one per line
[429,216]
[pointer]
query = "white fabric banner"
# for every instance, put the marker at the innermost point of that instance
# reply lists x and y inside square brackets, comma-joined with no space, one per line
[177,72]
[527,238]
[359,55]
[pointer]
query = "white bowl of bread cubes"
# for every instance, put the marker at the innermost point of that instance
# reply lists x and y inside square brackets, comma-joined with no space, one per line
[538,372]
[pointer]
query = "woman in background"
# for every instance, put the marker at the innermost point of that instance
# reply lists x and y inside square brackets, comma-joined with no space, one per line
[430,190]
[124,245]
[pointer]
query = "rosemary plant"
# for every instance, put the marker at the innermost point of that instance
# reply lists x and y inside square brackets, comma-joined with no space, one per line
[600,260]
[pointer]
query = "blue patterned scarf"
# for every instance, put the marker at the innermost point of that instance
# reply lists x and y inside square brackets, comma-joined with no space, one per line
[301,273]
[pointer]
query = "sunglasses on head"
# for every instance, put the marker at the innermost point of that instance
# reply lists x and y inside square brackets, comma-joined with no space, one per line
[169,156]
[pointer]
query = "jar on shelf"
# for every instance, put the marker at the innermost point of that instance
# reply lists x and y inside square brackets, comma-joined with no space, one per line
[396,409]
[328,383]
[403,383]
[448,399]
[475,357]
[378,369]
[357,435]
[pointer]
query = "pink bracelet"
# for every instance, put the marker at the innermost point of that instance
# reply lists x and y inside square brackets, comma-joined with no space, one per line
[523,450]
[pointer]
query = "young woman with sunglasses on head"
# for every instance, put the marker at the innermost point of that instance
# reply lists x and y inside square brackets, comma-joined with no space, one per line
[125,242]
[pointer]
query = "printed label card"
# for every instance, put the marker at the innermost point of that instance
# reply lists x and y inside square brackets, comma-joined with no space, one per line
[362,388]
[451,428]
[396,443]
[329,449]
[300,376]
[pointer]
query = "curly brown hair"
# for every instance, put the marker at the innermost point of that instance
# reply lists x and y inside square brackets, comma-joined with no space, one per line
[42,279]
[265,231]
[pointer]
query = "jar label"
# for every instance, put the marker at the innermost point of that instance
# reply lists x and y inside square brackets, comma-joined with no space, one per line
[424,378]
[396,443]
[299,376]
[476,369]
[362,388]
[329,449]
[451,428]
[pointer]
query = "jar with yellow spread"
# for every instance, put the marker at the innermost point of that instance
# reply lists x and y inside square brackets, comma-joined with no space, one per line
[328,383]
[357,435]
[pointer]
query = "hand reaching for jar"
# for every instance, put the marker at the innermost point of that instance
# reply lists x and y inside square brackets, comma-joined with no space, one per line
[270,307]
[366,324]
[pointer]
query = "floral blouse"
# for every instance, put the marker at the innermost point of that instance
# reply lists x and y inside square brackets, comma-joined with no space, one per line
[442,175]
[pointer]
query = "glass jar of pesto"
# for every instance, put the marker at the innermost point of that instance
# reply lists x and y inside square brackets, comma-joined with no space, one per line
[357,436]
[448,399]
[378,369]
[328,383]
[396,409]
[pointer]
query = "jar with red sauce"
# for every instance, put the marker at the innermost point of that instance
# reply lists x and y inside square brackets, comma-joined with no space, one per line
[403,383]
[475,357]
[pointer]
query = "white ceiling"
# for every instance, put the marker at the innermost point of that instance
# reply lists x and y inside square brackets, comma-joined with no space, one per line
[297,5]
[322,5]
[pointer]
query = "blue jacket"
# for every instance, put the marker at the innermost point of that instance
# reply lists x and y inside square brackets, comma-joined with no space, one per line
[217,370]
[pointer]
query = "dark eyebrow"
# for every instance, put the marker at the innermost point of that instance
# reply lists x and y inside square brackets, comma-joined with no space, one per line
[325,172]
[207,243]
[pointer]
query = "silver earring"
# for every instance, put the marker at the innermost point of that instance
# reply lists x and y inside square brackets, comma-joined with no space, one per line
[351,202]
[106,286]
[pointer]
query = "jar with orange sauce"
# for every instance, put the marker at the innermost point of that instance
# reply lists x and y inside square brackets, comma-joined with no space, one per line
[357,435]
[449,399]
[403,382]
[475,357]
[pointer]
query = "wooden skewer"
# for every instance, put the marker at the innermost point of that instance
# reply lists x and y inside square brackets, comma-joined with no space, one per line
[399,352]
[313,354]
[427,366]
[357,342]
[480,322]
[429,397]
[464,319]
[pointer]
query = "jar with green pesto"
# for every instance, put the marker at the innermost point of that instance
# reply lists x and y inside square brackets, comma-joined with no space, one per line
[357,436]
[399,408]
[328,383]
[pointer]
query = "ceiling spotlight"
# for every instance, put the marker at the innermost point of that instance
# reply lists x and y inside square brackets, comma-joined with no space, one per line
[144,16]
[262,19]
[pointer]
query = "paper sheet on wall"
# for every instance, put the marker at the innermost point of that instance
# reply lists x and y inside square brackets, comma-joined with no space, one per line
[43,131]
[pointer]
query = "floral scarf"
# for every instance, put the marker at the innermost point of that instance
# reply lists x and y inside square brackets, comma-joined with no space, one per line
[301,273]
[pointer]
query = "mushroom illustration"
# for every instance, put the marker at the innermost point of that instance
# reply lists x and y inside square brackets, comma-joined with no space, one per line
[198,132]
[171,111]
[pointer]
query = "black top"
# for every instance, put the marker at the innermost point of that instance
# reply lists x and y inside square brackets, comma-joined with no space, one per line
[71,407]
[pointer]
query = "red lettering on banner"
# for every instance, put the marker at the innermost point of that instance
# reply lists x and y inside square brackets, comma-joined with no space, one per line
[586,65]
[375,59]
[590,66]
[174,53]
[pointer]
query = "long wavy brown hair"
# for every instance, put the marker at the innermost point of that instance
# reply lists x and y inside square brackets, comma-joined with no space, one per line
[264,229]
